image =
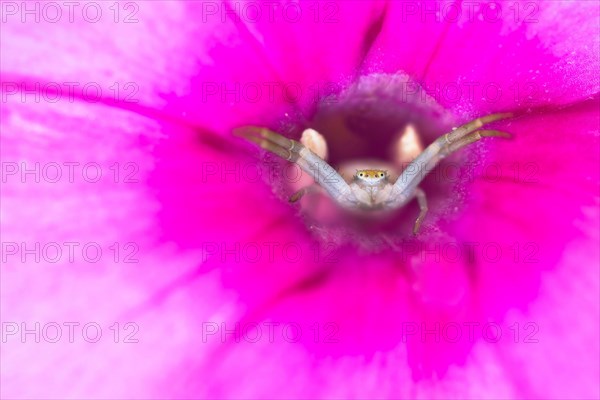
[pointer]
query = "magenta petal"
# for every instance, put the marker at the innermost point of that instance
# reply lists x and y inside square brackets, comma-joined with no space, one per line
[106,54]
[315,47]
[195,198]
[494,55]
[210,191]
[524,201]
[407,42]
[115,211]
[174,57]
[557,331]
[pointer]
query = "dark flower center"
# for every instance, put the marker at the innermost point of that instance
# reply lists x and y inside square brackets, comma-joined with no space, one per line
[362,124]
[364,121]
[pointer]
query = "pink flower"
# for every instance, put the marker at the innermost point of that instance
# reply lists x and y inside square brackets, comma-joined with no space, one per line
[131,218]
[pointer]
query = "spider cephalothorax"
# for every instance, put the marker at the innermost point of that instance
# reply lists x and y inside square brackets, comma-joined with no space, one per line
[370,189]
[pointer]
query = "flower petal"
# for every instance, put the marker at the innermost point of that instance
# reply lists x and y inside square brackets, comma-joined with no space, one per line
[523,202]
[79,223]
[177,60]
[316,47]
[484,55]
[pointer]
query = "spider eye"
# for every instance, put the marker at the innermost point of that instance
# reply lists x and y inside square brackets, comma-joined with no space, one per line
[361,174]
[381,175]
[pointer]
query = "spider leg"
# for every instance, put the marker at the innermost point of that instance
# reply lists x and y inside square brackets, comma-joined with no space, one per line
[300,193]
[316,143]
[288,149]
[422,200]
[281,146]
[440,148]
[469,127]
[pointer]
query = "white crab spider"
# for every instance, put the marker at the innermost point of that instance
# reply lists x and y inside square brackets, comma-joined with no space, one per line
[371,189]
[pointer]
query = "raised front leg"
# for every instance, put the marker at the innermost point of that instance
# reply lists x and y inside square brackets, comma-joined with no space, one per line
[291,150]
[417,170]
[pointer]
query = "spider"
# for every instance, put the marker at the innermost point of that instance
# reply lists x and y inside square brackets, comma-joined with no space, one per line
[370,189]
